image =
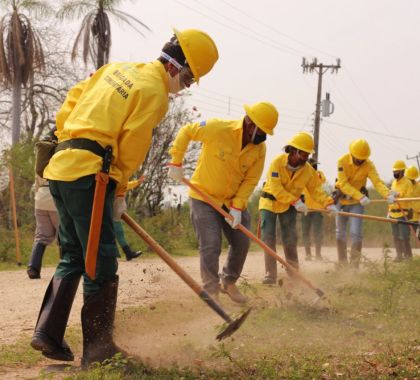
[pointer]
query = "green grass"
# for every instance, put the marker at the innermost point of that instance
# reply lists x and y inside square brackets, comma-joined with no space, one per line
[369,329]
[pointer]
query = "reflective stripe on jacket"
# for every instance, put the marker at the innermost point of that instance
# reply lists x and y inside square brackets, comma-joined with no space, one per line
[118,106]
[224,170]
[351,178]
[404,188]
[309,200]
[287,186]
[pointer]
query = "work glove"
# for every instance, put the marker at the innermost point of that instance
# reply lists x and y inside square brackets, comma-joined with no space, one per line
[176,172]
[332,209]
[364,201]
[237,216]
[391,196]
[300,206]
[120,207]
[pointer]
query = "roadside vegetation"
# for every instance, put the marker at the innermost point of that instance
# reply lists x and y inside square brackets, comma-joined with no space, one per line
[367,328]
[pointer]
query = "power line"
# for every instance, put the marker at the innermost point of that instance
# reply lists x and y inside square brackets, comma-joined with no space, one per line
[263,41]
[372,132]
[275,30]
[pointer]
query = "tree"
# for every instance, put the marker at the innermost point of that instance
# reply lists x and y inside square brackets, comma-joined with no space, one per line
[148,198]
[95,31]
[44,94]
[21,53]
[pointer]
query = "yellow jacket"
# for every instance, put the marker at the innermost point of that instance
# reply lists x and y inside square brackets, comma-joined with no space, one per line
[404,188]
[287,186]
[224,170]
[415,205]
[309,200]
[118,106]
[351,178]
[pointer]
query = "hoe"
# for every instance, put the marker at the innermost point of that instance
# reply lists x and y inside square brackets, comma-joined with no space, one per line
[232,324]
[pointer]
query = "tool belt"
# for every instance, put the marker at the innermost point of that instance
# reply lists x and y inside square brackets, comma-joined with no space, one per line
[85,144]
[44,150]
[268,196]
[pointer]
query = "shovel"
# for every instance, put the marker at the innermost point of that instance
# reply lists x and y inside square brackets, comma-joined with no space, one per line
[232,324]
[295,273]
[413,199]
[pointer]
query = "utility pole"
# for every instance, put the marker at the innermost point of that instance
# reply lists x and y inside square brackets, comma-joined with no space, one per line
[321,69]
[416,157]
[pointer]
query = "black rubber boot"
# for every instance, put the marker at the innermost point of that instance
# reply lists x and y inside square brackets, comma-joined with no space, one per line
[355,254]
[129,254]
[308,254]
[406,248]
[52,320]
[35,262]
[398,249]
[98,314]
[342,252]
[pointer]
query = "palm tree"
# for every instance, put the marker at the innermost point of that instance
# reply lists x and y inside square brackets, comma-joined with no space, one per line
[95,31]
[21,52]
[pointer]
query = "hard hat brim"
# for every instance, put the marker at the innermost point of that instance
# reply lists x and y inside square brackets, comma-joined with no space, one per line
[186,52]
[248,111]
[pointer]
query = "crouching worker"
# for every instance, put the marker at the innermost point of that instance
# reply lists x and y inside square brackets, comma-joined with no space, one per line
[114,110]
[230,165]
[289,174]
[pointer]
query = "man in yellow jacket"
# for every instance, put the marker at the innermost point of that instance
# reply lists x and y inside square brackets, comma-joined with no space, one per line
[289,174]
[354,168]
[401,232]
[313,220]
[229,167]
[118,106]
[412,174]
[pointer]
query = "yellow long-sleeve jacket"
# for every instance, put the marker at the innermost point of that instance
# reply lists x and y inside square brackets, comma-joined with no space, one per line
[287,186]
[224,170]
[415,205]
[118,106]
[404,188]
[309,200]
[351,178]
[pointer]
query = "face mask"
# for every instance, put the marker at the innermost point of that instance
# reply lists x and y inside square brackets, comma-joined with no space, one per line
[258,139]
[175,84]
[397,175]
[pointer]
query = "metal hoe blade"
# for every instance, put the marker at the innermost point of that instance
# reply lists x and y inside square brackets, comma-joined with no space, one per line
[233,326]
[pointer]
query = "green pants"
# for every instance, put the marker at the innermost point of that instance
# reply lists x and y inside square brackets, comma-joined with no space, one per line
[74,205]
[313,220]
[119,233]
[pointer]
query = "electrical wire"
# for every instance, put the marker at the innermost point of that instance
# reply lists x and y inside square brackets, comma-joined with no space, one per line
[276,46]
[276,30]
[372,132]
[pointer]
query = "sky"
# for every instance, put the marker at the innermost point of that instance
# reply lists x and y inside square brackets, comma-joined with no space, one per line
[261,44]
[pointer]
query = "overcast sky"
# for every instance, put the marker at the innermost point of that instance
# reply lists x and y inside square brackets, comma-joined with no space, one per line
[261,45]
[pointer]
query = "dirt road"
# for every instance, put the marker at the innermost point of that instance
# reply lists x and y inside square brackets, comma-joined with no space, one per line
[143,283]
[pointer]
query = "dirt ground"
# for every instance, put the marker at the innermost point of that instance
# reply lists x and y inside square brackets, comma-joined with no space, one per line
[143,283]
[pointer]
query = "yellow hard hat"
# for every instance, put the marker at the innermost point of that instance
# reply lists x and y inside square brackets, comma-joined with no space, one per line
[360,149]
[302,141]
[199,49]
[264,115]
[411,173]
[399,165]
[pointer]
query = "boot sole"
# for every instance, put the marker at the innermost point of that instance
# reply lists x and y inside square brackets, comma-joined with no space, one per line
[51,352]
